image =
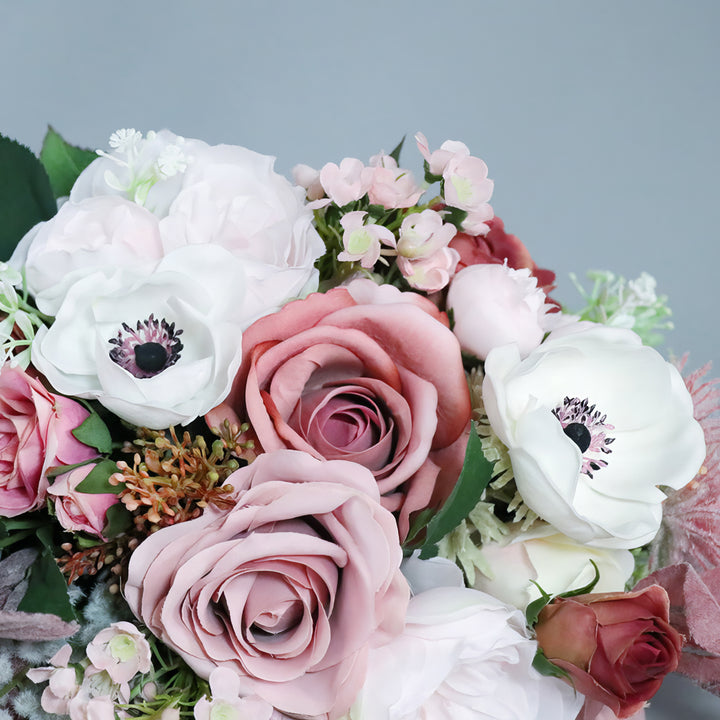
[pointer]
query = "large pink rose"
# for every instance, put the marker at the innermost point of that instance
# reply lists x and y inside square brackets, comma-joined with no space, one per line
[35,435]
[289,589]
[364,373]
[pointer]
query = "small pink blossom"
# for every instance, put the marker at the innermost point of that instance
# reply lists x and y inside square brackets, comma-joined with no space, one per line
[391,186]
[97,696]
[477,221]
[78,511]
[437,161]
[62,683]
[347,182]
[467,185]
[121,650]
[227,703]
[308,178]
[431,273]
[362,242]
[423,234]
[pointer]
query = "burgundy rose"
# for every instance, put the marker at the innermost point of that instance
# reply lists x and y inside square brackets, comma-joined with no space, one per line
[366,374]
[617,647]
[496,247]
[289,588]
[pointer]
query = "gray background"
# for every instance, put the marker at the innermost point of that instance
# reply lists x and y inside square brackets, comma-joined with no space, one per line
[599,120]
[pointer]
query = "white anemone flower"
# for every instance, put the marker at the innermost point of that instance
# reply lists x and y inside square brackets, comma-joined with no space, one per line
[594,422]
[156,349]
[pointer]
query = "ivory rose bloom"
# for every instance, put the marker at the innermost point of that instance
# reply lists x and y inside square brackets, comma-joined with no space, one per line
[78,511]
[495,305]
[594,421]
[617,647]
[363,373]
[289,589]
[463,654]
[35,434]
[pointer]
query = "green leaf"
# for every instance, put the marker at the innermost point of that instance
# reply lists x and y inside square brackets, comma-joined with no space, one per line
[430,178]
[94,433]
[63,162]
[47,590]
[97,480]
[532,611]
[454,215]
[118,520]
[586,588]
[474,478]
[395,154]
[545,667]
[26,197]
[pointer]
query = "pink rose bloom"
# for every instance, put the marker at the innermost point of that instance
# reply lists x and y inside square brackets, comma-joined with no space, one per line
[79,511]
[121,650]
[392,187]
[364,373]
[495,305]
[289,589]
[35,435]
[345,182]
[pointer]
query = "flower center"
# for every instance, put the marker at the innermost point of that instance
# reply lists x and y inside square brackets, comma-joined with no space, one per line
[148,349]
[586,427]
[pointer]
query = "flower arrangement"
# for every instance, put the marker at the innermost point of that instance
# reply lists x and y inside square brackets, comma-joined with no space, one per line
[330,449]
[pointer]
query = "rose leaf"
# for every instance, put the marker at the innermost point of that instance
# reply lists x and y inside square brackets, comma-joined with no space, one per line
[97,481]
[94,433]
[63,162]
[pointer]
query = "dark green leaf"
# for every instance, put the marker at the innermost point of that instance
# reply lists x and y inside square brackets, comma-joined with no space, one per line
[94,433]
[47,590]
[63,162]
[474,478]
[395,154]
[586,588]
[26,197]
[430,178]
[97,480]
[454,215]
[532,611]
[117,520]
[419,523]
[545,667]
[56,470]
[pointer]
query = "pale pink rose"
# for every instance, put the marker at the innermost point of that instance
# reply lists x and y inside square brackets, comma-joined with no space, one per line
[121,650]
[431,273]
[346,182]
[494,305]
[93,234]
[391,186]
[35,434]
[289,589]
[78,511]
[363,373]
[362,242]
[61,679]
[423,234]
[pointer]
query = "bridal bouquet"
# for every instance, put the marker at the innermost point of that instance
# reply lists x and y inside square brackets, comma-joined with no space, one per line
[331,449]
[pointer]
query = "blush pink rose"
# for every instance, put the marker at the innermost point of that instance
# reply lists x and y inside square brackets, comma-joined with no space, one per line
[289,589]
[616,647]
[78,511]
[35,434]
[366,374]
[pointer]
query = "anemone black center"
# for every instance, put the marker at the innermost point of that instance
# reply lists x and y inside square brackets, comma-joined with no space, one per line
[579,434]
[150,356]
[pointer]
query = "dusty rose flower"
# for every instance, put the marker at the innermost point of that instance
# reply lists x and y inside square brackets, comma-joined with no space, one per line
[289,589]
[496,247]
[366,374]
[78,511]
[35,434]
[617,647]
[121,650]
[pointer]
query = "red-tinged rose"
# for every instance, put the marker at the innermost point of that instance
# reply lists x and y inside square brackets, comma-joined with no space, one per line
[366,374]
[616,647]
[496,247]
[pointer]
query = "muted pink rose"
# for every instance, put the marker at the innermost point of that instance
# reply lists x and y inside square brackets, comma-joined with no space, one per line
[289,589]
[366,374]
[35,434]
[78,511]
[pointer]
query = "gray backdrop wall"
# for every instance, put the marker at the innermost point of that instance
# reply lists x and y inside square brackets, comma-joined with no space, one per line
[599,120]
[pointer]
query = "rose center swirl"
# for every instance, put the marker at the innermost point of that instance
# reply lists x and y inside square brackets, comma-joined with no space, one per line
[148,349]
[587,428]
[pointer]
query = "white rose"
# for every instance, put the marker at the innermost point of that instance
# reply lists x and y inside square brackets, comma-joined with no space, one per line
[233,198]
[594,421]
[156,349]
[495,305]
[554,561]
[463,656]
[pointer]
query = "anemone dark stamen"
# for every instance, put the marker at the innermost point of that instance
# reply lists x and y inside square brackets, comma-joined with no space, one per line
[148,349]
[587,428]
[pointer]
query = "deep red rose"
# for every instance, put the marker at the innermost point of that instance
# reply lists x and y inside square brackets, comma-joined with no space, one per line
[617,647]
